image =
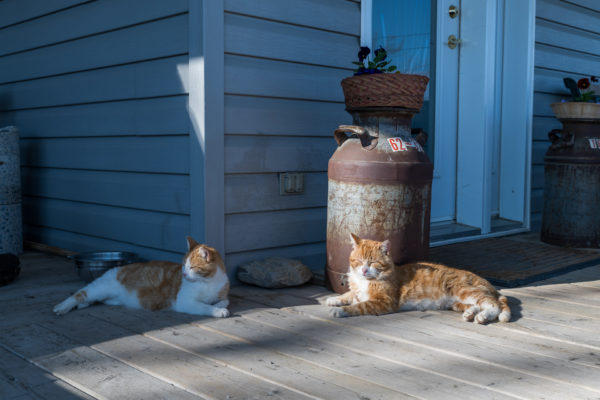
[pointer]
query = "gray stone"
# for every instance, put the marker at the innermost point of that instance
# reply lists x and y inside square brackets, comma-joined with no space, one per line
[274,273]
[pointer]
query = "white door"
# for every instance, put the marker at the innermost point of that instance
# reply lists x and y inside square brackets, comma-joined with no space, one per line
[415,35]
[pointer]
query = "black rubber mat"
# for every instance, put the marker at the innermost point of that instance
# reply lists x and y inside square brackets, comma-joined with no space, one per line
[515,260]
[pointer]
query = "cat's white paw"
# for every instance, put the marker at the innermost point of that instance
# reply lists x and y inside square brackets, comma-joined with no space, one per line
[338,312]
[481,318]
[220,313]
[504,316]
[469,313]
[333,301]
[63,308]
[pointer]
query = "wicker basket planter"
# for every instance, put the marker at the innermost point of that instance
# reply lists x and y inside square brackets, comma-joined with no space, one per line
[384,90]
[576,110]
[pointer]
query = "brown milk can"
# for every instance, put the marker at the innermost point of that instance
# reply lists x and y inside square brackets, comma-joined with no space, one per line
[379,188]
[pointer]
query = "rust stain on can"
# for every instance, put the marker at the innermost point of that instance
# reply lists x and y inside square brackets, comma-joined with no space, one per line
[378,192]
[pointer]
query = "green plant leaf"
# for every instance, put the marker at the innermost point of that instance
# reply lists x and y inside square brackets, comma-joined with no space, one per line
[572,86]
[380,56]
[391,68]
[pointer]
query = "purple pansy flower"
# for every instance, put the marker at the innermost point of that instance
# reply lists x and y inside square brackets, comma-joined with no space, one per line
[363,53]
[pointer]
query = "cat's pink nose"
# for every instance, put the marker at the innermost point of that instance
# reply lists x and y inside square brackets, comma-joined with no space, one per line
[365,270]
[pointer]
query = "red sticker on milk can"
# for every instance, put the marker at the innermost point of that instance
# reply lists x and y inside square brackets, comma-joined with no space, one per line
[399,144]
[594,143]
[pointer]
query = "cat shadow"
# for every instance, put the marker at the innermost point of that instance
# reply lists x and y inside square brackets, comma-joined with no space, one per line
[515,308]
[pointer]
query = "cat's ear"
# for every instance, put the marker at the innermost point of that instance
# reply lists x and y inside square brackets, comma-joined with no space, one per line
[204,253]
[385,247]
[190,242]
[355,240]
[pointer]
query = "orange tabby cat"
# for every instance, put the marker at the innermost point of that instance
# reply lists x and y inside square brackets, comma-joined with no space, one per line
[199,286]
[377,286]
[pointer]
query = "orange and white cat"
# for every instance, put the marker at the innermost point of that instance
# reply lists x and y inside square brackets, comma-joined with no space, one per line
[377,286]
[199,286]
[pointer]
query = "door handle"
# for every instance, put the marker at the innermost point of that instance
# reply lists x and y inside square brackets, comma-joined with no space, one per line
[453,41]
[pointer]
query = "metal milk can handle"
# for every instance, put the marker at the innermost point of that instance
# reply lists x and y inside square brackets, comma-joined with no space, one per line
[420,136]
[561,139]
[367,140]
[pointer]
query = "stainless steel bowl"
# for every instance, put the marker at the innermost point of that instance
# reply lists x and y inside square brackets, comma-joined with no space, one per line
[92,265]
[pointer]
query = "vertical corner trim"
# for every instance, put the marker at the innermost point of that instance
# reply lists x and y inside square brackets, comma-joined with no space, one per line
[206,112]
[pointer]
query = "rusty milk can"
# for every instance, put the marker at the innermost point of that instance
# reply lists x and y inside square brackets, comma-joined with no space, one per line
[379,188]
[571,215]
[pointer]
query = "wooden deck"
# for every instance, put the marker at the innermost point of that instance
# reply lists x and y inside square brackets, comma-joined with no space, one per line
[281,344]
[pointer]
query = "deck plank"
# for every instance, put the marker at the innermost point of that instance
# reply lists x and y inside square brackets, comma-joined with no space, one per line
[84,368]
[202,377]
[342,357]
[32,380]
[255,358]
[419,349]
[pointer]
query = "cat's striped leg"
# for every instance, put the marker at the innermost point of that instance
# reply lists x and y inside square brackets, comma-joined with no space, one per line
[369,307]
[342,300]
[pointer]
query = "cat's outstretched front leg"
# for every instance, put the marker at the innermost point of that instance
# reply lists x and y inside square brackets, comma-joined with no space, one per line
[369,307]
[341,300]
[197,308]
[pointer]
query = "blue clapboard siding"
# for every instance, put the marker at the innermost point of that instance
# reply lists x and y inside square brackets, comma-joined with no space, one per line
[284,61]
[145,191]
[245,115]
[15,12]
[157,78]
[151,40]
[99,92]
[80,22]
[567,44]
[72,240]
[260,192]
[157,154]
[158,230]
[153,116]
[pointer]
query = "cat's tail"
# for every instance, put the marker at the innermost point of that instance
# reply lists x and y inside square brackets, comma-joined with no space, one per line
[504,315]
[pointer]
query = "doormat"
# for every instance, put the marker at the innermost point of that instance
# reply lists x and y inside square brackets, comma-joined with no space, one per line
[514,260]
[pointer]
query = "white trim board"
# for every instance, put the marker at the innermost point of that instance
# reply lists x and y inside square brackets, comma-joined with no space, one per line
[517,110]
[206,111]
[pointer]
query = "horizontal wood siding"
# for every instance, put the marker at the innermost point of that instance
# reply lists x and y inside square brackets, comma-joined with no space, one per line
[567,45]
[284,60]
[99,91]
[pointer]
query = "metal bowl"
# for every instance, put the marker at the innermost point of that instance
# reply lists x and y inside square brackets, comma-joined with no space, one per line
[93,264]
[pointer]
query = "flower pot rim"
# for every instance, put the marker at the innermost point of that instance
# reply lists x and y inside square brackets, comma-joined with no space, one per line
[576,110]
